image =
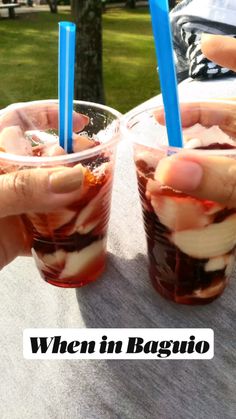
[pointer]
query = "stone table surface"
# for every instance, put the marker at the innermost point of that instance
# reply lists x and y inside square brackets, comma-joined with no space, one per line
[123,297]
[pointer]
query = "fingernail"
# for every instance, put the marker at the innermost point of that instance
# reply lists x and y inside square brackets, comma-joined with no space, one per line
[182,175]
[66,180]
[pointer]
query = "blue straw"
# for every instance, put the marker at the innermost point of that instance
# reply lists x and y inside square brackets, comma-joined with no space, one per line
[164,51]
[66,64]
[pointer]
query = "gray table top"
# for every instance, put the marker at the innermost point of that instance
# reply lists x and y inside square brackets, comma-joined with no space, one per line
[123,297]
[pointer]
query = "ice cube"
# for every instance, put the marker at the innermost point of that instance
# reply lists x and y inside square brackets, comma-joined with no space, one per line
[54,260]
[42,137]
[179,213]
[205,136]
[150,159]
[45,224]
[211,291]
[12,139]
[82,142]
[76,262]
[216,264]
[91,215]
[213,240]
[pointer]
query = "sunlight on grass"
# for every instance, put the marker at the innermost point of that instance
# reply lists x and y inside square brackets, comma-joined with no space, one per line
[28,63]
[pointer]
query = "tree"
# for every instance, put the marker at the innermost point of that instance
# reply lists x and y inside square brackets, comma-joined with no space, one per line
[53,5]
[88,71]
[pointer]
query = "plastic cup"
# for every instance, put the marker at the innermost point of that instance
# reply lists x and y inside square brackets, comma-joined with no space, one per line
[69,245]
[191,242]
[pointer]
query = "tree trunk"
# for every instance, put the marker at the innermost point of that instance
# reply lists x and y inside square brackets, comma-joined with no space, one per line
[131,4]
[53,5]
[88,70]
[172,4]
[103,6]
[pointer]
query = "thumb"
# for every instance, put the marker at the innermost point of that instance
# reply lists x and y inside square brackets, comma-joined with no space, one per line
[212,178]
[39,190]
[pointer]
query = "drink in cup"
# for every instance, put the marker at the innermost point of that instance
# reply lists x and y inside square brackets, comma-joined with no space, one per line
[69,244]
[191,242]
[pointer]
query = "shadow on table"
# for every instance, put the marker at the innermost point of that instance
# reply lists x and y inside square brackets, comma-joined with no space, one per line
[124,297]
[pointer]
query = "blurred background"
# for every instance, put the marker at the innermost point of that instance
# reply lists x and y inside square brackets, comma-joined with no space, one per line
[115,62]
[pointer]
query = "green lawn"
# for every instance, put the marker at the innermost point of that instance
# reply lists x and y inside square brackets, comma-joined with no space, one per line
[28,58]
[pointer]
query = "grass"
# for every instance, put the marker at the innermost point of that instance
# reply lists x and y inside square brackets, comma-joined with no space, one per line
[28,58]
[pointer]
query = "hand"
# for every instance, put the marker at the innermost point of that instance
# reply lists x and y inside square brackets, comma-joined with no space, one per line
[37,190]
[207,177]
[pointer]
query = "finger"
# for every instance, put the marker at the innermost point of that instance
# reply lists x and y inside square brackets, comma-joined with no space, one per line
[206,114]
[205,177]
[190,114]
[220,49]
[39,116]
[39,190]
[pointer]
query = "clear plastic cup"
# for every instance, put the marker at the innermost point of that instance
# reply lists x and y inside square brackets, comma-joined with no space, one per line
[69,245]
[191,242]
